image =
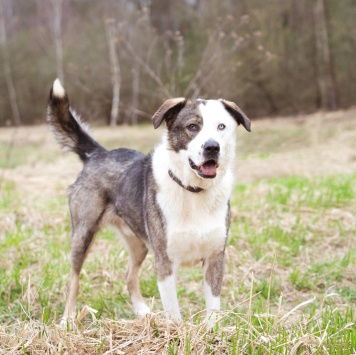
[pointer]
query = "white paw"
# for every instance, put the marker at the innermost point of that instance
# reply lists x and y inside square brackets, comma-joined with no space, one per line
[66,323]
[211,320]
[142,309]
[176,317]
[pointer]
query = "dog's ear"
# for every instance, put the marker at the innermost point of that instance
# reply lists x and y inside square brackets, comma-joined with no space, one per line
[168,110]
[237,114]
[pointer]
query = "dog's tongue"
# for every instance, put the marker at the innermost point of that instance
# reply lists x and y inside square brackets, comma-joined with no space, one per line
[208,168]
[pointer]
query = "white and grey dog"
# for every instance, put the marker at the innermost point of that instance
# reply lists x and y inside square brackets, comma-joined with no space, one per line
[174,201]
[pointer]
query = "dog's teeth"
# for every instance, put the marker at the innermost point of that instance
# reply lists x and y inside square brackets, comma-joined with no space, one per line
[58,89]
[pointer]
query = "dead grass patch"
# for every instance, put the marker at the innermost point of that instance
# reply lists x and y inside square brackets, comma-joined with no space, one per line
[291,241]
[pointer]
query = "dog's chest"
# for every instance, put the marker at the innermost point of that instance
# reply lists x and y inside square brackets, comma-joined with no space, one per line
[195,227]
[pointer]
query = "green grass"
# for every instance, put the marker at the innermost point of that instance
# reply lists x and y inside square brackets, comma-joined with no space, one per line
[292,239]
[318,192]
[19,155]
[35,266]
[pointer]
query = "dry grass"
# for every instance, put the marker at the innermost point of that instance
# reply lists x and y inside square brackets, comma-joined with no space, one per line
[261,333]
[151,335]
[291,259]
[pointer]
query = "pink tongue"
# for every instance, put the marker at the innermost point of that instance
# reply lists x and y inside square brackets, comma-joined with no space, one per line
[208,169]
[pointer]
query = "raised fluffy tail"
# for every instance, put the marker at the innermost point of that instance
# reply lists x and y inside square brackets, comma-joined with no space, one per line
[68,129]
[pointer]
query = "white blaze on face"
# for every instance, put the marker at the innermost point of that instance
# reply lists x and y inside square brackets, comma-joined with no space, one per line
[214,114]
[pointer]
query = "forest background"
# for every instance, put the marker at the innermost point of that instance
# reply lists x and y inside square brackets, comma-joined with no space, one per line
[120,59]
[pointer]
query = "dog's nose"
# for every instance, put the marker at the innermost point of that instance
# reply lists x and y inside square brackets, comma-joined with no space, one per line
[211,147]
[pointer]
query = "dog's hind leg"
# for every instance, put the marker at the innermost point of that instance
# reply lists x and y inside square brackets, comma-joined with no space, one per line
[137,252]
[85,225]
[79,248]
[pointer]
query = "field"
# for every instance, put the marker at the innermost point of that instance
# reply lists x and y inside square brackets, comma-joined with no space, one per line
[290,283]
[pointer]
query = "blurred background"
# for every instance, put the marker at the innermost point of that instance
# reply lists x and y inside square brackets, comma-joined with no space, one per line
[120,59]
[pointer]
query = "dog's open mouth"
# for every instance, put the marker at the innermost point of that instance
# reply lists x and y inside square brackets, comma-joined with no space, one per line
[207,169]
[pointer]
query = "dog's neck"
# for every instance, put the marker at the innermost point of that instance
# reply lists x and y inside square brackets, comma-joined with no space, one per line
[179,182]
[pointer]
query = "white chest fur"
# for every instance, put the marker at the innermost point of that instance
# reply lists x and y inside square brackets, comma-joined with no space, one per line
[195,222]
[195,228]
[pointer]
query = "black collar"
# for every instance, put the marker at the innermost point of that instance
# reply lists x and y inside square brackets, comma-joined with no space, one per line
[179,182]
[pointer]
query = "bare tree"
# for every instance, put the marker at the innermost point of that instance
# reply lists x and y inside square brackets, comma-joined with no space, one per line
[326,80]
[7,67]
[135,93]
[147,69]
[162,15]
[294,57]
[111,35]
[57,6]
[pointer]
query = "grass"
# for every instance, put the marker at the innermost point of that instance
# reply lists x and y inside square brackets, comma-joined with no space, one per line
[290,282]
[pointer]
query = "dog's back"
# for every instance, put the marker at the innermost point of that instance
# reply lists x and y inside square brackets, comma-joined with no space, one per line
[111,182]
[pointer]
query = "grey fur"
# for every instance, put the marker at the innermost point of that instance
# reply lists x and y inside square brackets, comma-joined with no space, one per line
[69,131]
[114,187]
[215,272]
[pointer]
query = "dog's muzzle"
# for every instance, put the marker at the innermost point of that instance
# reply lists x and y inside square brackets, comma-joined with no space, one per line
[211,151]
[207,170]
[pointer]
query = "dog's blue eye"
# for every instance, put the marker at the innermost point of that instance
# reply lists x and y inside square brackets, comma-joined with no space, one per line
[193,127]
[221,127]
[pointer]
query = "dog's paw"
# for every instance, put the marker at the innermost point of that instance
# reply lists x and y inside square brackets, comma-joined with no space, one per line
[66,323]
[211,320]
[141,310]
[174,317]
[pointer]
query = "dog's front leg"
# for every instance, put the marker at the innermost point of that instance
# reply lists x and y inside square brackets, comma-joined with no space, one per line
[213,277]
[167,286]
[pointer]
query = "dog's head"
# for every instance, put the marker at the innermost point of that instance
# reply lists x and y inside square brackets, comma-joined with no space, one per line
[203,132]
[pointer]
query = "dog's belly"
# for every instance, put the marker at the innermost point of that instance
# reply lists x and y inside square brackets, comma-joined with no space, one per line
[188,246]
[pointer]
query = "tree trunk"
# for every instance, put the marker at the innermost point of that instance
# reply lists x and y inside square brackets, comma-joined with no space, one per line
[111,34]
[7,68]
[57,31]
[326,80]
[162,17]
[135,93]
[259,83]
[315,65]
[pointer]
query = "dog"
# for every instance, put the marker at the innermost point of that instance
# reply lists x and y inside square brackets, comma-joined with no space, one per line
[173,201]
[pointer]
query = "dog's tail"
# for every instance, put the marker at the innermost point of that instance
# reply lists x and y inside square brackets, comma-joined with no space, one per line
[68,129]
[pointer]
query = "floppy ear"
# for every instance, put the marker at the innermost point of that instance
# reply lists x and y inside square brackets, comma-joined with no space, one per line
[168,110]
[237,114]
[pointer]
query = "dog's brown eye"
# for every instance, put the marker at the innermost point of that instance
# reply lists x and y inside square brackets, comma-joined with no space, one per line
[193,127]
[221,127]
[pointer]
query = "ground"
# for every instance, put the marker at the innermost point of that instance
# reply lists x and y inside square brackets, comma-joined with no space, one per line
[290,284]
